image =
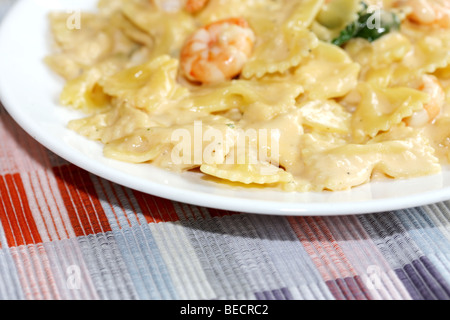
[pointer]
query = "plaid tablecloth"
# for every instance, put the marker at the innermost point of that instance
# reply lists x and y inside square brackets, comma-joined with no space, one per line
[67,234]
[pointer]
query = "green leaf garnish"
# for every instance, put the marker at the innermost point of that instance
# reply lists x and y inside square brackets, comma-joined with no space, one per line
[369,25]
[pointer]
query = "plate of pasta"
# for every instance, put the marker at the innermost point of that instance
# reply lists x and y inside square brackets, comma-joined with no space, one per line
[305,107]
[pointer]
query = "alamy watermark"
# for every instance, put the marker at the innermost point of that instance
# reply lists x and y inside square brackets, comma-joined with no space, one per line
[375,20]
[73,280]
[210,145]
[73,21]
[373,281]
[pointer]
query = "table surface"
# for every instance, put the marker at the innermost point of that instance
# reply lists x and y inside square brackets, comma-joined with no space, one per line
[68,234]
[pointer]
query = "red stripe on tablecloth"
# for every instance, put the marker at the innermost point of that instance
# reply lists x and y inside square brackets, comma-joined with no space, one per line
[154,209]
[27,218]
[15,213]
[7,214]
[329,258]
[91,201]
[81,201]
[71,201]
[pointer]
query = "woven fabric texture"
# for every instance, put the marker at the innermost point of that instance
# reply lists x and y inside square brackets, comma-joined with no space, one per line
[68,234]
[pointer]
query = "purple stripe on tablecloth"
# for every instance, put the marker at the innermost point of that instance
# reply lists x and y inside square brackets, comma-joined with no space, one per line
[266,295]
[287,293]
[425,269]
[358,289]
[351,288]
[278,294]
[418,282]
[348,287]
[415,295]
[335,290]
[342,284]
[435,273]
[261,296]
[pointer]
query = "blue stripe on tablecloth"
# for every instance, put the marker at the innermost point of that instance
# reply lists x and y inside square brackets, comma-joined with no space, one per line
[10,288]
[184,266]
[106,268]
[63,256]
[403,254]
[252,257]
[225,252]
[366,259]
[294,265]
[139,253]
[217,256]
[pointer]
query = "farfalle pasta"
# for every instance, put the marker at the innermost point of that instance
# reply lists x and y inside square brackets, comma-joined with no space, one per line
[299,95]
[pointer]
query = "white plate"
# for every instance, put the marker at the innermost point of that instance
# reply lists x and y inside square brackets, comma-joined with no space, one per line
[29,91]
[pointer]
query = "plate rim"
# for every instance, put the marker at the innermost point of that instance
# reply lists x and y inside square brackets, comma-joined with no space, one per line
[199,198]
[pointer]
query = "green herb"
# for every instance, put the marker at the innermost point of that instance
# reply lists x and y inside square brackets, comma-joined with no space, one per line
[231,125]
[370,26]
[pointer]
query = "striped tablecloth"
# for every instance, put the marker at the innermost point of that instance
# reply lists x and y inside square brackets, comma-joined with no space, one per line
[67,234]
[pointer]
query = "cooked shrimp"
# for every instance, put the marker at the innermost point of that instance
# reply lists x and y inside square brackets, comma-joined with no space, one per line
[428,12]
[432,109]
[194,6]
[218,51]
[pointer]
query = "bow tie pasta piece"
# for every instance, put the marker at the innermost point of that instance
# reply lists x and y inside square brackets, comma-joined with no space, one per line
[86,45]
[116,123]
[379,58]
[344,166]
[279,11]
[148,86]
[327,73]
[244,93]
[64,65]
[88,42]
[439,135]
[381,109]
[301,14]
[138,36]
[141,146]
[217,10]
[283,44]
[266,152]
[279,51]
[178,148]
[326,116]
[258,173]
[85,91]
[429,53]
[167,29]
[398,58]
[278,139]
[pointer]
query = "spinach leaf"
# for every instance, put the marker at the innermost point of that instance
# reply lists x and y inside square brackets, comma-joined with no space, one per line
[369,25]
